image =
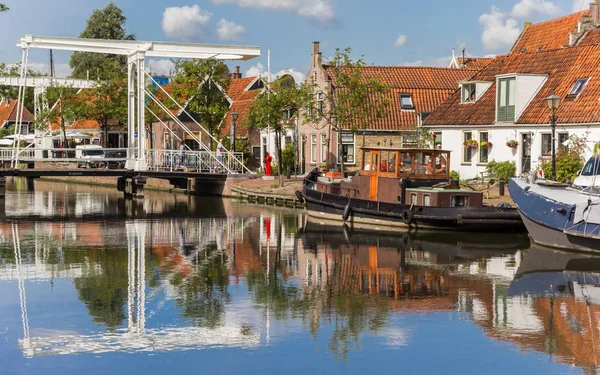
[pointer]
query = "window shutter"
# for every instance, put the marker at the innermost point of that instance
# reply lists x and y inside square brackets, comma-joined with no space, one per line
[501,113]
[510,113]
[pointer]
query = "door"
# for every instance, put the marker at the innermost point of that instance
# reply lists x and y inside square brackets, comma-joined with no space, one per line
[374,165]
[525,153]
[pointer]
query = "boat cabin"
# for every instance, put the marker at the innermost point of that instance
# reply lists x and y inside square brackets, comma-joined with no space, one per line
[402,162]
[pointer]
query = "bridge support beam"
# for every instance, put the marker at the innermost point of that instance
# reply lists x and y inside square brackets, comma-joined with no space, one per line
[2,189]
[132,187]
[218,185]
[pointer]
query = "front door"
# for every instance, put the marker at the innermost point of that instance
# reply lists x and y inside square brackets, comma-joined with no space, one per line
[374,167]
[525,153]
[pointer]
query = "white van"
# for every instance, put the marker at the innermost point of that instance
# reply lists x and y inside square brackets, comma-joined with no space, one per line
[93,155]
[589,174]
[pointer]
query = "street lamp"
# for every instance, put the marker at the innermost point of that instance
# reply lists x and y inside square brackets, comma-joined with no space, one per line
[553,102]
[234,117]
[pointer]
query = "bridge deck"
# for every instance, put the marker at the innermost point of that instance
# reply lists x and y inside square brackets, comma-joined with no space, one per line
[97,172]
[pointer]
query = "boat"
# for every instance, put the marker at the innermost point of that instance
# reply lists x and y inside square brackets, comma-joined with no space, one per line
[400,189]
[558,215]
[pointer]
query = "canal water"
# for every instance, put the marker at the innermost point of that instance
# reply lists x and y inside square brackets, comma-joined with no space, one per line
[91,283]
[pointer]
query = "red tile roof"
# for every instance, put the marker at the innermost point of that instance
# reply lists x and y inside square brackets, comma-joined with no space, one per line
[563,67]
[592,37]
[428,86]
[242,99]
[8,112]
[551,34]
[475,63]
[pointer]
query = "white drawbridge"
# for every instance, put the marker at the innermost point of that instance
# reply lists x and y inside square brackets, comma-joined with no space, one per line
[136,52]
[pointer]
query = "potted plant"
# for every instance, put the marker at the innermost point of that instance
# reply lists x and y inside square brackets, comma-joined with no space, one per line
[471,143]
[486,144]
[512,143]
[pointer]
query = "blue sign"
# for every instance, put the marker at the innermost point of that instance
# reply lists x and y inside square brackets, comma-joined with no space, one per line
[135,134]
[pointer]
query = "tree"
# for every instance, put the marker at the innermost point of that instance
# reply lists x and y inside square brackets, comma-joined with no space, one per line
[569,160]
[64,103]
[202,84]
[14,70]
[274,108]
[352,101]
[105,23]
[4,8]
[106,103]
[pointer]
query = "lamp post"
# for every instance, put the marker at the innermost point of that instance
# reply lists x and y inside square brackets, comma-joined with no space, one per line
[553,102]
[234,117]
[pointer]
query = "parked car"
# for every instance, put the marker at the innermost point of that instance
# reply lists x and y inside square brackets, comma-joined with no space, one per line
[589,174]
[93,156]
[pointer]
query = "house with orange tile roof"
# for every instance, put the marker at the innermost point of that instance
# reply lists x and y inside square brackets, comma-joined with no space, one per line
[8,115]
[468,62]
[503,108]
[414,93]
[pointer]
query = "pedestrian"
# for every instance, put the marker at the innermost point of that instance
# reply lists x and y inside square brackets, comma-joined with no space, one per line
[268,160]
[181,151]
[220,150]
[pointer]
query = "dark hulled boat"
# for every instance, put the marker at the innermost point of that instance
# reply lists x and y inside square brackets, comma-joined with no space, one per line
[401,189]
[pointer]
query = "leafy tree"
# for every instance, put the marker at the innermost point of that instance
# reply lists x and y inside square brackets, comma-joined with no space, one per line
[274,108]
[288,159]
[201,83]
[352,101]
[105,23]
[569,160]
[503,170]
[4,8]
[106,103]
[14,70]
[64,104]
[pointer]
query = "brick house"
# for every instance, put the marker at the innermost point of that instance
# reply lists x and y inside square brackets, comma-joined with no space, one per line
[505,102]
[8,115]
[414,93]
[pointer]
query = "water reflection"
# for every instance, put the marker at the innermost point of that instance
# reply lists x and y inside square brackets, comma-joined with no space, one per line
[252,279]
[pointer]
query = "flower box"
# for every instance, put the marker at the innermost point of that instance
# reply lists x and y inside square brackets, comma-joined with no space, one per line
[471,143]
[512,143]
[486,144]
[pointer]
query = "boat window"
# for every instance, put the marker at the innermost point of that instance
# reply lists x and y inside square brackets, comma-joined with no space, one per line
[392,163]
[413,198]
[420,163]
[591,168]
[405,162]
[441,160]
[383,166]
[459,201]
[366,161]
[426,200]
[374,161]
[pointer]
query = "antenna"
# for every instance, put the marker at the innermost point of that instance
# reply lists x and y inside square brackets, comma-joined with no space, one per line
[51,65]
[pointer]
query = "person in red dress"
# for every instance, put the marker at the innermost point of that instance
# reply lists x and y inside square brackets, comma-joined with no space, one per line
[268,160]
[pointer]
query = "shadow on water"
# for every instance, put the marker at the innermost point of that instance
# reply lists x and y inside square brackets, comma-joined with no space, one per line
[184,282]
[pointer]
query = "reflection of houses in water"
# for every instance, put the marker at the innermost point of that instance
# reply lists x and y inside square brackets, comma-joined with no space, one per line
[137,337]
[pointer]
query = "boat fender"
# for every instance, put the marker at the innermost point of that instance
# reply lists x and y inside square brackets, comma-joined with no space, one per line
[407,217]
[299,196]
[346,213]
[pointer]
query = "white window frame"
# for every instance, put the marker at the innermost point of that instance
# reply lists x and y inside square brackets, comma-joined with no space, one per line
[542,136]
[578,87]
[467,98]
[465,149]
[353,143]
[313,148]
[320,98]
[323,148]
[479,157]
[408,106]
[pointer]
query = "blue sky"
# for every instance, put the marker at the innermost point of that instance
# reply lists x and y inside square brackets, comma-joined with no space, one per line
[386,32]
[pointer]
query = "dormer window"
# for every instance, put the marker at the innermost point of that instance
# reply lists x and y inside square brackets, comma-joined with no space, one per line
[506,99]
[577,88]
[320,103]
[468,92]
[406,102]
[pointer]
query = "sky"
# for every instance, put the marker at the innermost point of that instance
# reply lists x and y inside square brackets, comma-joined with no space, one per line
[384,32]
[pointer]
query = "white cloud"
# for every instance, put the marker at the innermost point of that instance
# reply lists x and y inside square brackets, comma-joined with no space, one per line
[443,62]
[160,66]
[530,8]
[60,70]
[498,31]
[579,5]
[259,70]
[318,10]
[400,41]
[229,30]
[185,22]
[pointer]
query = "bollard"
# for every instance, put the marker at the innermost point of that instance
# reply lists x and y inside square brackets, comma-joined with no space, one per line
[501,187]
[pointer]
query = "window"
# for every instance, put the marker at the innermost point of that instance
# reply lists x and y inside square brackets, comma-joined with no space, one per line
[483,147]
[24,129]
[437,139]
[562,138]
[287,140]
[406,102]
[413,199]
[506,99]
[426,200]
[320,103]
[424,116]
[467,152]
[577,87]
[313,148]
[256,152]
[348,148]
[459,201]
[468,92]
[323,147]
[167,141]
[546,144]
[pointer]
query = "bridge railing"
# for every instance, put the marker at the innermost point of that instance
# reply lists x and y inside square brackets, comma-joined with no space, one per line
[196,161]
[99,156]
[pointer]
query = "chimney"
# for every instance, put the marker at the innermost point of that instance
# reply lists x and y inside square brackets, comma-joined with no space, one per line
[595,12]
[237,73]
[316,54]
[526,25]
[464,63]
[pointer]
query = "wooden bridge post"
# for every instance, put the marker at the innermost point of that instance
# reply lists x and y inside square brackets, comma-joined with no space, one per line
[132,187]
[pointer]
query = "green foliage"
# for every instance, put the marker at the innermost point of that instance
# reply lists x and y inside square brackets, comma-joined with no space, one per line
[201,83]
[14,70]
[502,169]
[104,23]
[569,160]
[4,8]
[425,138]
[288,157]
[455,175]
[596,148]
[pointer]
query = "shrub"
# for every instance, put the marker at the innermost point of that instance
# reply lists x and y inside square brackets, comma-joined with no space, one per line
[455,175]
[288,156]
[502,169]
[568,160]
